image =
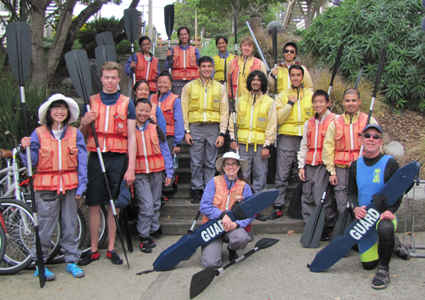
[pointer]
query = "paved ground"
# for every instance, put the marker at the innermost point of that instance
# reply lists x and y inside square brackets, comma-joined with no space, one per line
[278,272]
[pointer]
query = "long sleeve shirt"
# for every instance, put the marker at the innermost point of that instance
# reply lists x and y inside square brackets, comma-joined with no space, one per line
[270,131]
[82,157]
[167,64]
[328,153]
[165,152]
[127,68]
[160,120]
[178,118]
[224,104]
[212,212]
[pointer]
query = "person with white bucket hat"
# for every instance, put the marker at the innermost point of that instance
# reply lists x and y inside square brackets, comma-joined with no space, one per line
[220,194]
[59,153]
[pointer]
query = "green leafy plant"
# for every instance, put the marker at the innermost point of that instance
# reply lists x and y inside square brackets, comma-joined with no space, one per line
[365,27]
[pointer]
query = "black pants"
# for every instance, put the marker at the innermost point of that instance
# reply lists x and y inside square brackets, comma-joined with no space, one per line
[385,246]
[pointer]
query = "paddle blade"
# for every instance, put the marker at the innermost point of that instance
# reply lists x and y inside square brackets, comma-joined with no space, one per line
[79,71]
[313,228]
[265,243]
[18,36]
[359,77]
[95,79]
[131,24]
[295,208]
[104,54]
[336,65]
[344,220]
[105,39]
[274,40]
[169,19]
[201,280]
[380,70]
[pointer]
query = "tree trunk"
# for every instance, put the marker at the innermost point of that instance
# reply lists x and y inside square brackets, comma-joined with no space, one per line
[255,22]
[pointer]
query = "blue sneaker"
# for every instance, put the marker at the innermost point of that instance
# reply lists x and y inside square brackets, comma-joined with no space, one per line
[74,270]
[49,275]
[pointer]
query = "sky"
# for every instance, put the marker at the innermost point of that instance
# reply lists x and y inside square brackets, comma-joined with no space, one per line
[109,10]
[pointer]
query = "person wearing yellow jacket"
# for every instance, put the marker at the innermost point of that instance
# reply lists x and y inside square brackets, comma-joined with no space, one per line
[221,60]
[342,144]
[256,123]
[240,67]
[290,51]
[205,115]
[294,107]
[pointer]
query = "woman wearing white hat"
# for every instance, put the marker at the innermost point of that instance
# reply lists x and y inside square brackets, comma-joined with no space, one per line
[59,152]
[219,196]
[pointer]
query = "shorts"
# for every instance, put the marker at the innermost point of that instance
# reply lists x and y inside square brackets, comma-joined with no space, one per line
[115,166]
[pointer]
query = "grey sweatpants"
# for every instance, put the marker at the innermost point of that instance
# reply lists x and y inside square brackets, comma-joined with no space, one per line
[203,153]
[170,142]
[313,188]
[256,166]
[287,148]
[50,206]
[211,253]
[148,194]
[340,189]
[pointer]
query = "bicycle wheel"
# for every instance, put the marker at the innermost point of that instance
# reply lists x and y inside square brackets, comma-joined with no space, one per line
[19,225]
[58,256]
[2,240]
[103,230]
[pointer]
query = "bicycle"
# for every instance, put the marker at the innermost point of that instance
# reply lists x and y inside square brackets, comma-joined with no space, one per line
[2,238]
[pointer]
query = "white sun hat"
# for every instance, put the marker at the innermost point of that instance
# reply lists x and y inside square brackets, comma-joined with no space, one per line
[74,109]
[243,163]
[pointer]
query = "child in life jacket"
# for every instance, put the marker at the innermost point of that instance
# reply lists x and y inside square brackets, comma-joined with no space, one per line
[59,153]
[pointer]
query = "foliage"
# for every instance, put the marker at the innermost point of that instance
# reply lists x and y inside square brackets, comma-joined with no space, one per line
[416,153]
[123,47]
[10,103]
[365,27]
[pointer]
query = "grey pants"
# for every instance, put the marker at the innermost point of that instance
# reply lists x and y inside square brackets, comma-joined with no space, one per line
[170,142]
[256,166]
[50,205]
[148,194]
[313,188]
[211,253]
[203,153]
[340,189]
[287,148]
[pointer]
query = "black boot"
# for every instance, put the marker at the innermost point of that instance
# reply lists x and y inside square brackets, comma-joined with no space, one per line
[232,254]
[196,196]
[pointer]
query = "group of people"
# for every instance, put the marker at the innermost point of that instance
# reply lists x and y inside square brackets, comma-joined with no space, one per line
[190,100]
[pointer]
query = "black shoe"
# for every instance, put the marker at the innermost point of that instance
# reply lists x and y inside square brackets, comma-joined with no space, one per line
[164,199]
[196,196]
[326,235]
[232,255]
[261,217]
[89,258]
[277,213]
[113,256]
[145,245]
[152,242]
[400,249]
[157,234]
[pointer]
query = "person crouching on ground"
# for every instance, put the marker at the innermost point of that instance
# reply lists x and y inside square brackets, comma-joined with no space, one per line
[152,157]
[59,152]
[219,196]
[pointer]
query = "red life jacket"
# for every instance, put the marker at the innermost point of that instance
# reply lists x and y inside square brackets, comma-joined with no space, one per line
[166,107]
[153,110]
[347,139]
[234,72]
[148,157]
[51,175]
[184,64]
[147,70]
[315,136]
[110,125]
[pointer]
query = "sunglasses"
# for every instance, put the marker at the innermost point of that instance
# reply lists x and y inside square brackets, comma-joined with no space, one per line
[375,136]
[287,50]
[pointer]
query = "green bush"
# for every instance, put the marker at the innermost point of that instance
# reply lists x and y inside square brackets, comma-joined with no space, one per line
[365,27]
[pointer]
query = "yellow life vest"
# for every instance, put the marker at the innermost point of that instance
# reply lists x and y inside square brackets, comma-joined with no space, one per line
[252,123]
[204,102]
[220,65]
[283,80]
[301,112]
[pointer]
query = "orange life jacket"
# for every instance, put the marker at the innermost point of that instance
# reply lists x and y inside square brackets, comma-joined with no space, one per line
[166,107]
[52,175]
[153,110]
[148,157]
[234,73]
[184,64]
[315,136]
[221,194]
[147,70]
[110,125]
[347,139]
